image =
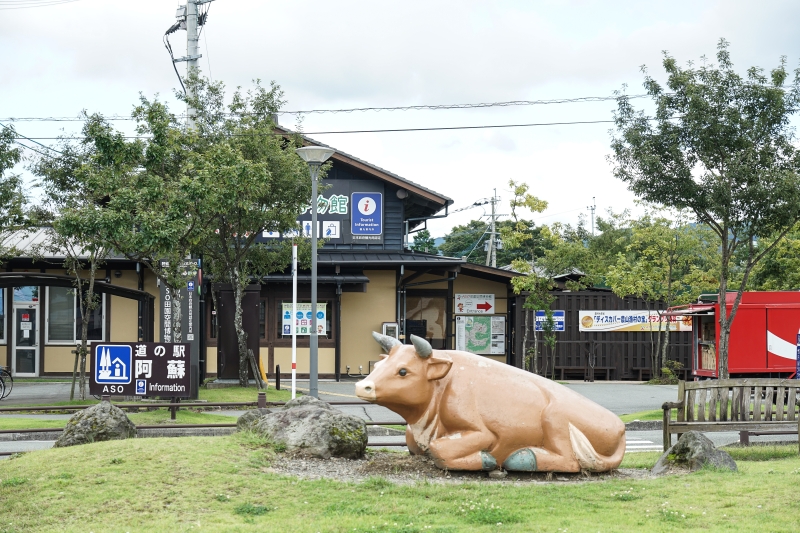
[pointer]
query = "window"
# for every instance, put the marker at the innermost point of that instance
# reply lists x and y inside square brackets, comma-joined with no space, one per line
[426,317]
[64,317]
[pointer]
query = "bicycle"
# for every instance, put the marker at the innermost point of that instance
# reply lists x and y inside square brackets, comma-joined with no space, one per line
[6,382]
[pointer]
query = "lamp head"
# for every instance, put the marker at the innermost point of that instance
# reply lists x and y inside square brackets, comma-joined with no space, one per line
[315,154]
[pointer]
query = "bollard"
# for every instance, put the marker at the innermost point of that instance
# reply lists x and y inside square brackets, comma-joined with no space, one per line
[277,377]
[262,400]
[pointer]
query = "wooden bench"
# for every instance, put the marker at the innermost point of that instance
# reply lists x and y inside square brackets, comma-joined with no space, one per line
[747,405]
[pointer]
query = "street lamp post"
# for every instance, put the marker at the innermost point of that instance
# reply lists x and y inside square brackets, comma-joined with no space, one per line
[314,156]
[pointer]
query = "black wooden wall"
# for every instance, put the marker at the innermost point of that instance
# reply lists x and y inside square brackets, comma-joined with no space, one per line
[580,355]
[392,211]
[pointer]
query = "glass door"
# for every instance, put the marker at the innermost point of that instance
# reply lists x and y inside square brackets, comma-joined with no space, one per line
[25,350]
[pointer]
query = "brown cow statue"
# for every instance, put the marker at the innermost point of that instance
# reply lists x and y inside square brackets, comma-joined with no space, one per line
[472,413]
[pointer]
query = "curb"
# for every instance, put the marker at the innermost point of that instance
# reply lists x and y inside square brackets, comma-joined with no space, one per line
[644,425]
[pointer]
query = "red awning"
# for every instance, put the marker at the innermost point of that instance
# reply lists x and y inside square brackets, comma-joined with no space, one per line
[690,311]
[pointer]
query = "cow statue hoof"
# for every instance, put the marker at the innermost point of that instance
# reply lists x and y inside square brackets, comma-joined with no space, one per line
[469,412]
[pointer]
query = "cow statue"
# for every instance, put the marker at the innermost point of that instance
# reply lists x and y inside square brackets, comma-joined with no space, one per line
[472,413]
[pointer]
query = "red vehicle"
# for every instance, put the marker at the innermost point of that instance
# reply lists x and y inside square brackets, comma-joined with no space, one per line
[763,340]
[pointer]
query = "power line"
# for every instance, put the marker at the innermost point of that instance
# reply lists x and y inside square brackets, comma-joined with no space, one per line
[18,136]
[398,108]
[398,130]
[28,4]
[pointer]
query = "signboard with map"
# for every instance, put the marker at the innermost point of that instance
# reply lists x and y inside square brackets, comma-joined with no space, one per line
[484,335]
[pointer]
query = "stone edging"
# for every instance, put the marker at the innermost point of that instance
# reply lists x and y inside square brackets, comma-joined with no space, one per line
[644,425]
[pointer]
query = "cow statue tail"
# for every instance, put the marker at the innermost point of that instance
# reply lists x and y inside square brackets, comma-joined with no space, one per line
[588,458]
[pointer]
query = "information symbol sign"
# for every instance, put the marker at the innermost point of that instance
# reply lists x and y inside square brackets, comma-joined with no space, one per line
[113,364]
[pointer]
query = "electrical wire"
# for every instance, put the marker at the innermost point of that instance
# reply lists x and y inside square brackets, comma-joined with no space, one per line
[481,105]
[401,108]
[400,130]
[18,136]
[165,39]
[202,22]
[28,4]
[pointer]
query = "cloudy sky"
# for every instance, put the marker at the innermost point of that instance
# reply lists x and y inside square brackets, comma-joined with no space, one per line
[99,55]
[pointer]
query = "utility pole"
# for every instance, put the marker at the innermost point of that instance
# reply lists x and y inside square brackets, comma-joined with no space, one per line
[188,14]
[491,254]
[592,209]
[192,54]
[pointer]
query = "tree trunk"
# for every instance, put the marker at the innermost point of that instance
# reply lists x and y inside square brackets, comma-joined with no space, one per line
[74,376]
[724,323]
[525,363]
[664,347]
[177,314]
[241,334]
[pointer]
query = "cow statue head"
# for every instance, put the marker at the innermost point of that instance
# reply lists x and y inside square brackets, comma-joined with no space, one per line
[406,374]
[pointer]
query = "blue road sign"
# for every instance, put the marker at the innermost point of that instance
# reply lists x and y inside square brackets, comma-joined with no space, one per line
[141,386]
[112,364]
[367,216]
[558,320]
[190,286]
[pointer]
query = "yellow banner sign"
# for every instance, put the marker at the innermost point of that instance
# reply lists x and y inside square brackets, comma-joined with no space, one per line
[603,321]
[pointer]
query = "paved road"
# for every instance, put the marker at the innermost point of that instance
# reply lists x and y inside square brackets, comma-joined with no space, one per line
[25,393]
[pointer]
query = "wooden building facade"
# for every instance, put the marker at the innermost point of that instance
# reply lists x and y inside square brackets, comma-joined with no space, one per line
[588,355]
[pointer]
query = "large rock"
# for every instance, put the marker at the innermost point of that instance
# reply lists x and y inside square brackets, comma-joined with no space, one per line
[692,452]
[250,418]
[97,423]
[310,427]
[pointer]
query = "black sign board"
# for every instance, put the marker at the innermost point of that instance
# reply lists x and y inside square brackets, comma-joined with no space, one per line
[140,369]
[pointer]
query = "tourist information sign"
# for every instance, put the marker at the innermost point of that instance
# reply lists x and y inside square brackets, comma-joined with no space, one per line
[474,304]
[140,369]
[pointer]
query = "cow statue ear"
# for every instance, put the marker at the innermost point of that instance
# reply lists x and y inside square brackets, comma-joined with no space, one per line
[438,366]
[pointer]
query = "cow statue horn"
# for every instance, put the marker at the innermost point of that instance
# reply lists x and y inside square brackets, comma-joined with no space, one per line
[422,346]
[386,342]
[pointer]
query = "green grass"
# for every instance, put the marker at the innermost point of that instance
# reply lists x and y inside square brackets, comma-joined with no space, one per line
[657,414]
[145,418]
[225,484]
[30,423]
[242,394]
[229,394]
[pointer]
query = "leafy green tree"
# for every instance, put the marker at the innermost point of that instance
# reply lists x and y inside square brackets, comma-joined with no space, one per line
[778,270]
[423,242]
[13,201]
[667,260]
[536,284]
[721,145]
[253,182]
[70,194]
[521,240]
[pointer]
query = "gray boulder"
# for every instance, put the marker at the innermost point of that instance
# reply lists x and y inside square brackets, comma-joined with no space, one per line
[97,423]
[250,418]
[692,452]
[310,427]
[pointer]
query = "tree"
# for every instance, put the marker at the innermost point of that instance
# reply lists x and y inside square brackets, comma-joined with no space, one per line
[253,182]
[720,145]
[13,200]
[70,181]
[151,197]
[778,270]
[667,260]
[423,242]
